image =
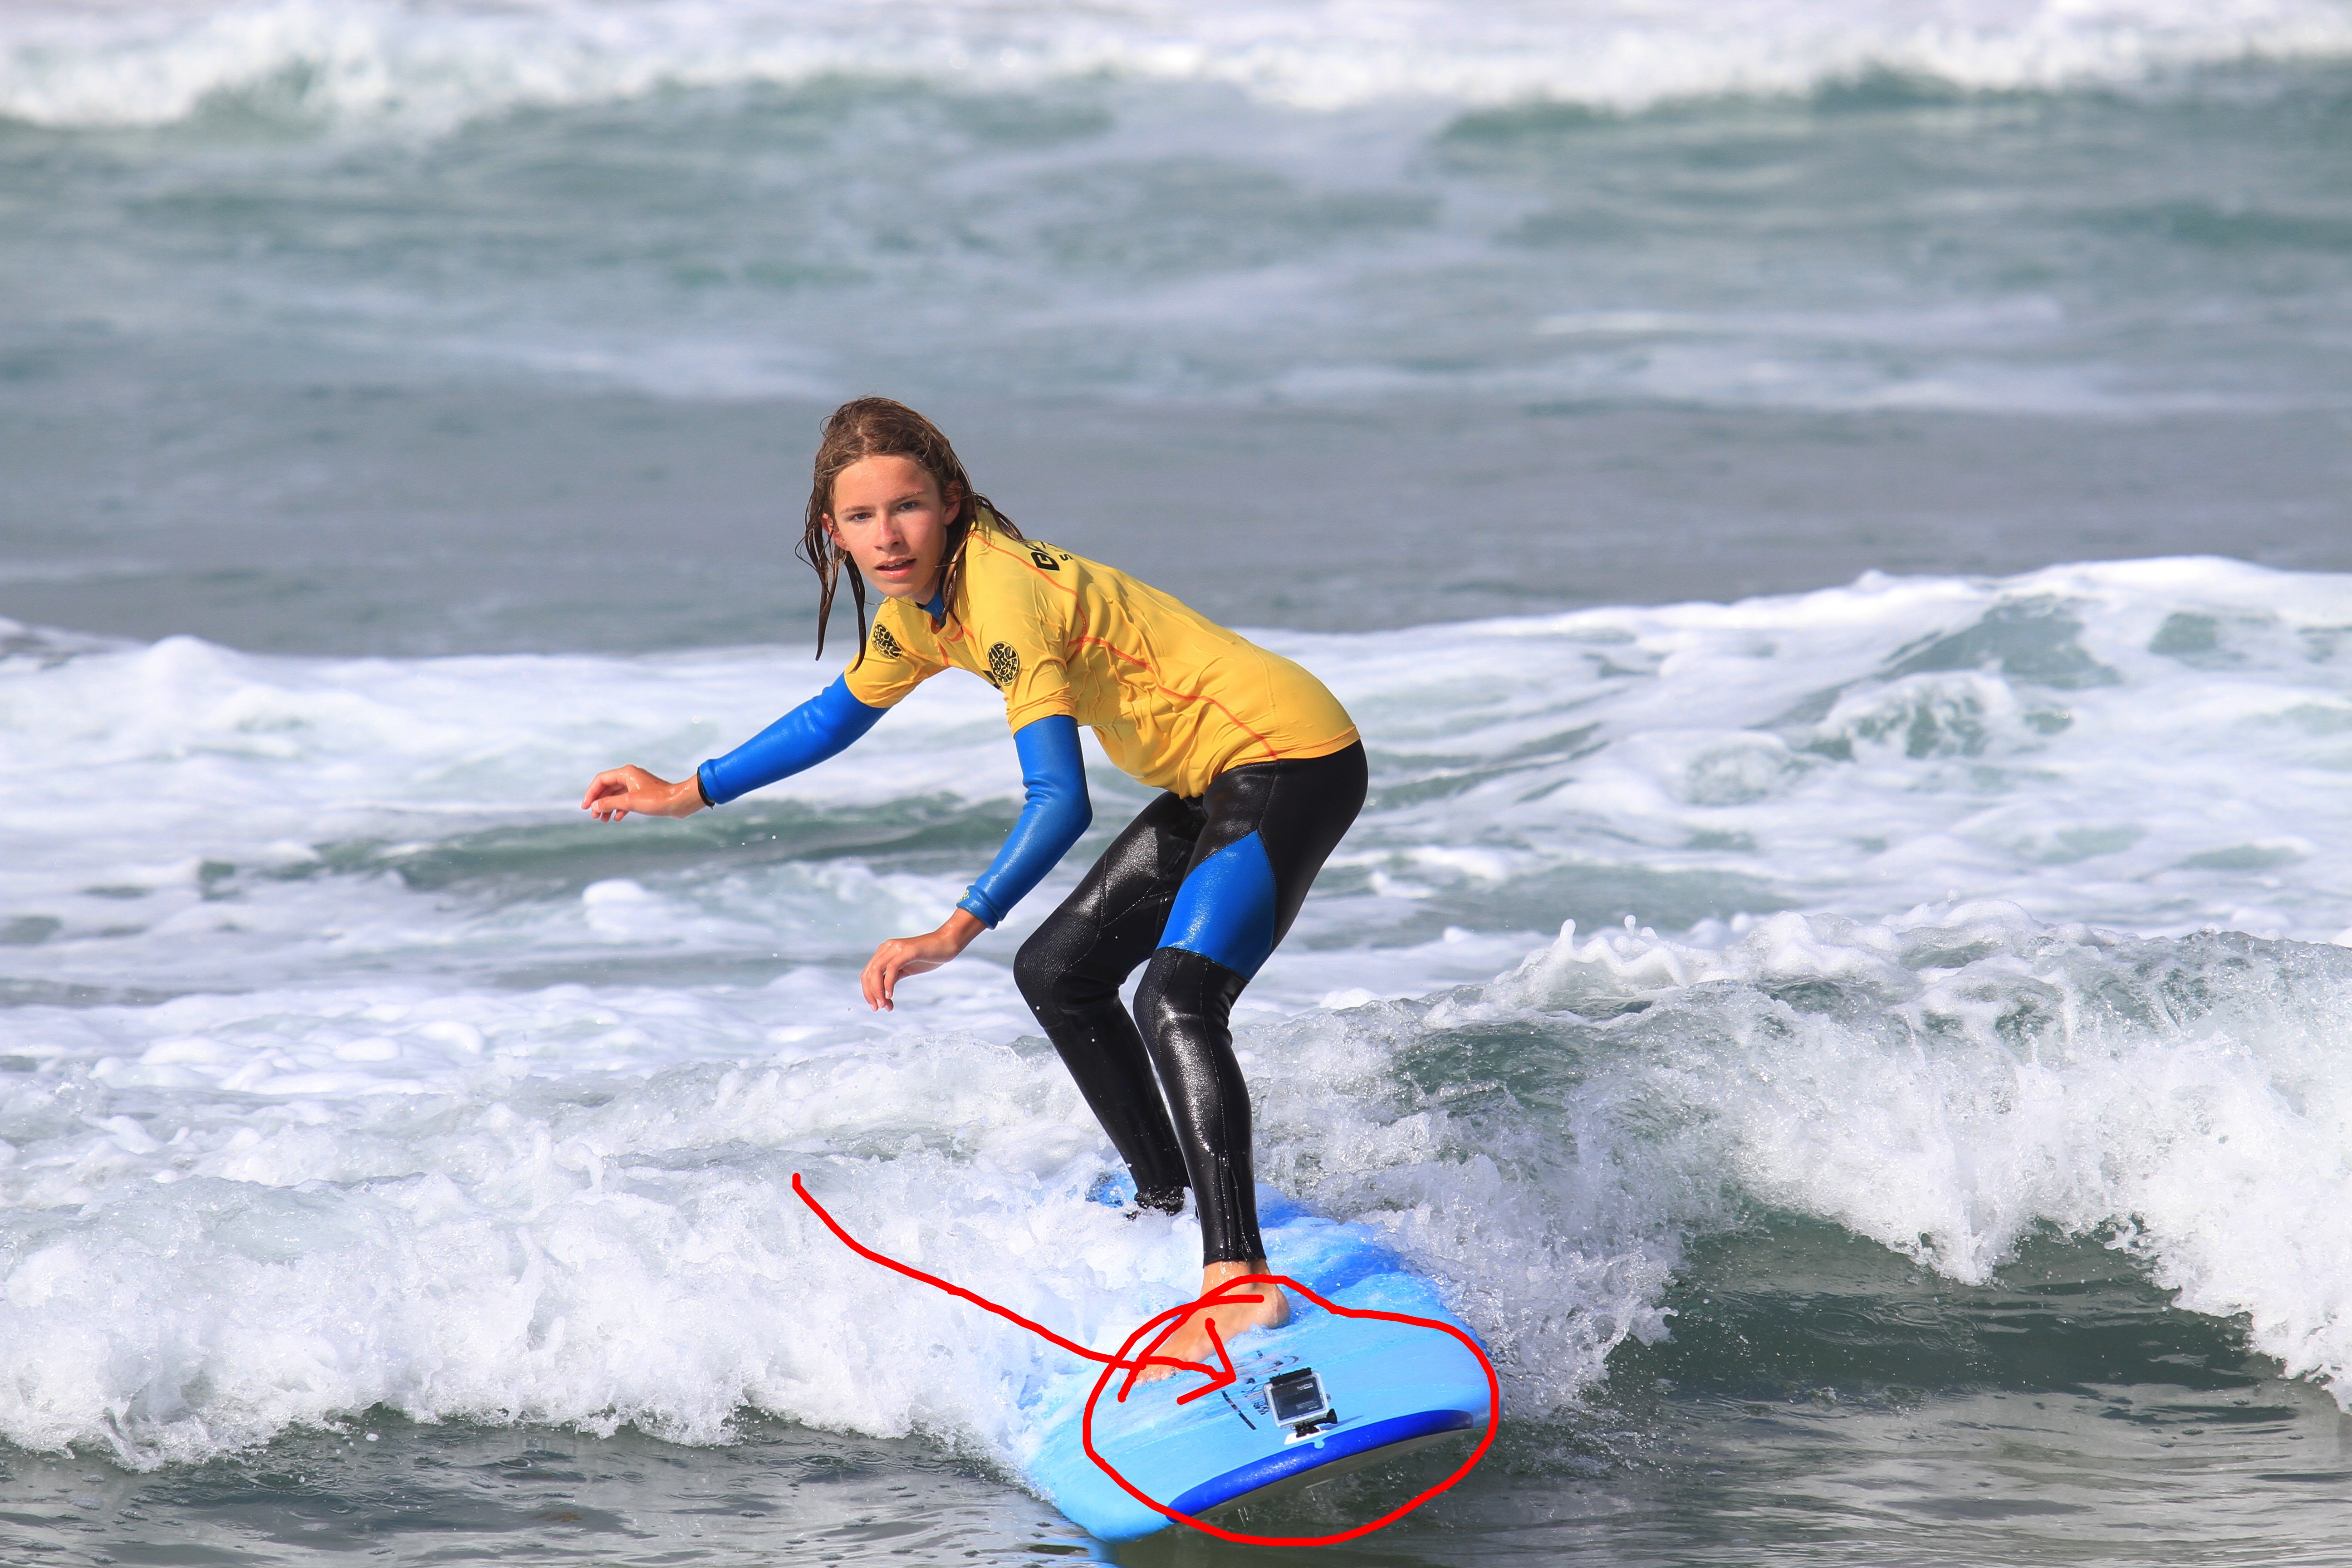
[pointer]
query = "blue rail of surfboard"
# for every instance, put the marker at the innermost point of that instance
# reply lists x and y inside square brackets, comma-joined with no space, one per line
[1348,1264]
[1341,1443]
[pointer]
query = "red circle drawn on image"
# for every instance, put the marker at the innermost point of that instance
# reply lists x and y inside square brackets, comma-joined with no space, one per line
[1086,1420]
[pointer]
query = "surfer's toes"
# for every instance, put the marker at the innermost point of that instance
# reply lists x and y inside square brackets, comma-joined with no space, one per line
[1191,1342]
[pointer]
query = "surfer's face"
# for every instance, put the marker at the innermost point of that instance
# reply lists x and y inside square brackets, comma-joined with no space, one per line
[889,513]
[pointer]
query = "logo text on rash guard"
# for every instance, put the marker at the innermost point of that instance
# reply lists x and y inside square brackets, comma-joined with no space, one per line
[1004,664]
[884,643]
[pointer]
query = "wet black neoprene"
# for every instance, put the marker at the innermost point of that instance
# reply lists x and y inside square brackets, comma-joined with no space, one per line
[1203,890]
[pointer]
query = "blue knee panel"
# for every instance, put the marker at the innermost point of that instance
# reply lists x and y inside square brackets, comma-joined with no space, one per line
[1224,911]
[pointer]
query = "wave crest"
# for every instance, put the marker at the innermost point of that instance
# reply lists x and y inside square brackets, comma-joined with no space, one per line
[430,67]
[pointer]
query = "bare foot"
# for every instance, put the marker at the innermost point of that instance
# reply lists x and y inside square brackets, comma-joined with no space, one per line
[1245,1308]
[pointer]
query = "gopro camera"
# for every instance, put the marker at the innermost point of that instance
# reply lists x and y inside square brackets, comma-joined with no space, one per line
[1297,1401]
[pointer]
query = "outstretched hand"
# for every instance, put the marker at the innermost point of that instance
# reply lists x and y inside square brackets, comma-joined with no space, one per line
[616,792]
[905,955]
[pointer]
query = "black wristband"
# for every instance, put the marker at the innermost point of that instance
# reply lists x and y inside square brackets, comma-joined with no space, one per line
[703,790]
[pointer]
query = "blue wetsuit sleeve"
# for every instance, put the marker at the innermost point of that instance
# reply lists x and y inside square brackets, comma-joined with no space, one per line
[1055,814]
[822,727]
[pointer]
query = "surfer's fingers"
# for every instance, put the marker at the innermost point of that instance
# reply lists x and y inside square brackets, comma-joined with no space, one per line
[616,792]
[880,977]
[612,780]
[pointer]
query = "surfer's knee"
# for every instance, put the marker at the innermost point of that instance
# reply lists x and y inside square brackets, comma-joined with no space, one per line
[1051,982]
[1184,996]
[1036,968]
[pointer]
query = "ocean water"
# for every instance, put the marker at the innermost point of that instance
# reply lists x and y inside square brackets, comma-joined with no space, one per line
[1833,520]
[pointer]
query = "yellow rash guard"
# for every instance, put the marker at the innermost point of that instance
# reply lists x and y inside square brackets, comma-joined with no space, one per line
[1175,699]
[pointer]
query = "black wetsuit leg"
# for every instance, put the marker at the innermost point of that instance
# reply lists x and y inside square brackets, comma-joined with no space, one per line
[1071,968]
[1278,822]
[1266,830]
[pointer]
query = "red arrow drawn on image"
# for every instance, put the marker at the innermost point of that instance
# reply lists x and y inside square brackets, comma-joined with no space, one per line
[1221,1297]
[1218,1378]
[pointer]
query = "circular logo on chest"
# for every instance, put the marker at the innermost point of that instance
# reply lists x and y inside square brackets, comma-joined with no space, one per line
[1004,664]
[884,643]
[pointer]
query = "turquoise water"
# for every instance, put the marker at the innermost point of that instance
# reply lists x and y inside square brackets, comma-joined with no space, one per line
[1833,521]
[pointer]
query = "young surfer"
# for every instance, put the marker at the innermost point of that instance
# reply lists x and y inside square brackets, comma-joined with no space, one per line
[1261,769]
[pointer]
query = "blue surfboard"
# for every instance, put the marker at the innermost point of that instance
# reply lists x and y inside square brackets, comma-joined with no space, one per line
[1323,1395]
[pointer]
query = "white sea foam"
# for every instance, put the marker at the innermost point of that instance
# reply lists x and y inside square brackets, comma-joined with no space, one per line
[348,1067]
[204,1248]
[435,64]
[2151,745]
[1945,1081]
